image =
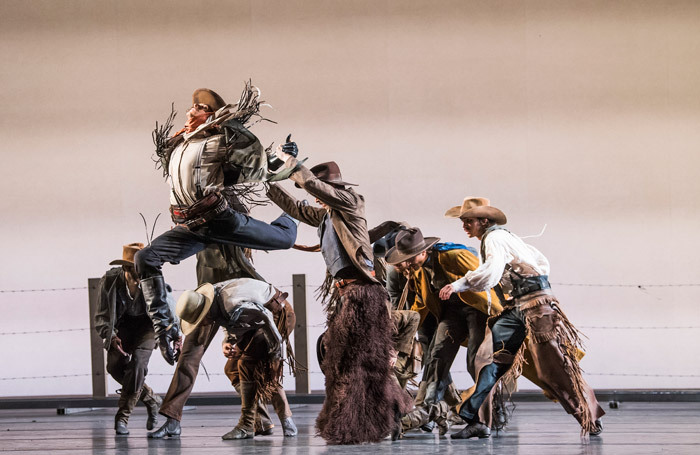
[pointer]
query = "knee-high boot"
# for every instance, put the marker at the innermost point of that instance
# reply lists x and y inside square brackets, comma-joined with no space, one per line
[152,403]
[246,424]
[126,404]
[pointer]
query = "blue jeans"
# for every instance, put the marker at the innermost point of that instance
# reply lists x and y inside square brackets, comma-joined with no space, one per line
[230,227]
[508,334]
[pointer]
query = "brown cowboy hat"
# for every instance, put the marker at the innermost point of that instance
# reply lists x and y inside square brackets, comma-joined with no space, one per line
[128,254]
[330,173]
[409,243]
[208,97]
[477,207]
[192,306]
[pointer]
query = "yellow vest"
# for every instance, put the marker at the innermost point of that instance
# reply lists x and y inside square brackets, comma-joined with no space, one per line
[455,264]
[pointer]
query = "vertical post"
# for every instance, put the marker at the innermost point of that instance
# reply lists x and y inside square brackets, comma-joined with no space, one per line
[301,332]
[97,351]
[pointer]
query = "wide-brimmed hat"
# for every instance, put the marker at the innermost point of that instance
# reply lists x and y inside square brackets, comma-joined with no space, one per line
[477,207]
[409,243]
[208,97]
[388,232]
[330,173]
[193,306]
[128,253]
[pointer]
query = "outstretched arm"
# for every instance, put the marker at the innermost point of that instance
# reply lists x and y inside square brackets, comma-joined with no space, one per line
[295,208]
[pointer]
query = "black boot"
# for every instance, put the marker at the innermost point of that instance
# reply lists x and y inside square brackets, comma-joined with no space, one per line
[152,403]
[171,428]
[473,430]
[155,294]
[126,404]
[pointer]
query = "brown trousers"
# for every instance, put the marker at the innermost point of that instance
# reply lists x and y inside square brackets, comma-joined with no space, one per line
[241,367]
[193,348]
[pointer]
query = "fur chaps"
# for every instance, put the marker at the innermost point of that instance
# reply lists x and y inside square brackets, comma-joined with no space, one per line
[363,400]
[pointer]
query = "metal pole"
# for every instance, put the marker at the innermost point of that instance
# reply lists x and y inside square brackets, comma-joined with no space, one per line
[301,333]
[97,351]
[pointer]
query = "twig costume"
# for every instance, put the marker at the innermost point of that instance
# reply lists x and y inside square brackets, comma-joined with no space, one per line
[363,400]
[200,166]
[533,312]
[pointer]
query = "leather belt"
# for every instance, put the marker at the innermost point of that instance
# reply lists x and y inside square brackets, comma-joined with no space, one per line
[527,285]
[341,283]
[344,282]
[201,211]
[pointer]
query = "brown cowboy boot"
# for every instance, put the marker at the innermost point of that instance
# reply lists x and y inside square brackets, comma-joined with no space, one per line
[453,399]
[417,417]
[438,414]
[152,403]
[263,422]
[126,405]
[246,424]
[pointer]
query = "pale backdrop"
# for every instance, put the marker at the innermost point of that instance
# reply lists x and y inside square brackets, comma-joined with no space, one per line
[579,115]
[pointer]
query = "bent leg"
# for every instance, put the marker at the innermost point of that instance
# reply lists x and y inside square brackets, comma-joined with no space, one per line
[193,348]
[508,334]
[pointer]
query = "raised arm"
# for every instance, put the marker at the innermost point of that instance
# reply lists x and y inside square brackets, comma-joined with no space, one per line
[295,208]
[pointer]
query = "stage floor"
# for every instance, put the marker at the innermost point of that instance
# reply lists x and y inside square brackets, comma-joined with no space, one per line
[536,428]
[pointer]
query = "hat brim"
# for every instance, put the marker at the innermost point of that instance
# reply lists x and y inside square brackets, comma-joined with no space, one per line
[207,290]
[121,262]
[485,211]
[394,256]
[453,212]
[338,182]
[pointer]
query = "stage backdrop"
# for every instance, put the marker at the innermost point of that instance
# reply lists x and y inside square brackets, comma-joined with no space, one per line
[581,116]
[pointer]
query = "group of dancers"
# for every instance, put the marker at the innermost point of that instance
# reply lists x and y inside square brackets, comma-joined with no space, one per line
[389,291]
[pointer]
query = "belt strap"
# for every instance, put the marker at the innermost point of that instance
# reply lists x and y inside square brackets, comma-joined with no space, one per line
[527,285]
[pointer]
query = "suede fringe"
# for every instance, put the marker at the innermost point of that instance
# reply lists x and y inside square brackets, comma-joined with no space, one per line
[569,340]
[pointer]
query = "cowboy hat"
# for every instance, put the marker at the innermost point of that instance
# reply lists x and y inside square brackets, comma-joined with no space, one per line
[208,97]
[328,172]
[128,253]
[409,243]
[193,306]
[477,207]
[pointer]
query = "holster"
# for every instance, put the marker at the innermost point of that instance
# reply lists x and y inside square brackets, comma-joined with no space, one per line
[202,211]
[526,285]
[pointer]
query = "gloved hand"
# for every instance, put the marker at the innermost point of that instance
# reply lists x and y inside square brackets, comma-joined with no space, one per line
[289,148]
[170,353]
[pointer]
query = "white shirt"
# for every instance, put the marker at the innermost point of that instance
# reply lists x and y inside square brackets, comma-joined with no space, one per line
[196,161]
[245,290]
[501,247]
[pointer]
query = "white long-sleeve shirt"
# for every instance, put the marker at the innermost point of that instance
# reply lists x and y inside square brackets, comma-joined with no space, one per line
[501,247]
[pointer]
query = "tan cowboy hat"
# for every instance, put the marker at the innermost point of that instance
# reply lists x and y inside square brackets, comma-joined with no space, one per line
[208,97]
[409,243]
[128,253]
[192,306]
[477,207]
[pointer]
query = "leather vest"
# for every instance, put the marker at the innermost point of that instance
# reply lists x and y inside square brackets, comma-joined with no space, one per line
[332,248]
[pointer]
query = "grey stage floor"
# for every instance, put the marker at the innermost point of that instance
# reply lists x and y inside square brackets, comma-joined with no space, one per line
[536,428]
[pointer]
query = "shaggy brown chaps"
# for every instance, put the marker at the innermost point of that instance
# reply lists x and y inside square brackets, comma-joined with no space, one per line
[363,400]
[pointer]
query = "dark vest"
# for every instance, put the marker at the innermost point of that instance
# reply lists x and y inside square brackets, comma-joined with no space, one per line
[332,249]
